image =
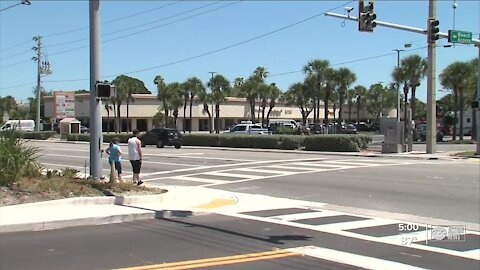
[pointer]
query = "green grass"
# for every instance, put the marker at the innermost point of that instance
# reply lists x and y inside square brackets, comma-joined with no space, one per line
[465,154]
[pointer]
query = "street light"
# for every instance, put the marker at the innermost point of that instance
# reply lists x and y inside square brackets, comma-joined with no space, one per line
[23,2]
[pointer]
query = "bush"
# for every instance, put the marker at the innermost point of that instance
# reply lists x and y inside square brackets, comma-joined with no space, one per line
[211,140]
[78,137]
[17,158]
[290,142]
[336,143]
[42,135]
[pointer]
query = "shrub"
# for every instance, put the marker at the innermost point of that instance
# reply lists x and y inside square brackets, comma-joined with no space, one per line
[201,140]
[292,142]
[42,135]
[78,137]
[17,158]
[122,136]
[336,143]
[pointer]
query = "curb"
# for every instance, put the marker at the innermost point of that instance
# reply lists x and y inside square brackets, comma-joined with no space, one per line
[59,224]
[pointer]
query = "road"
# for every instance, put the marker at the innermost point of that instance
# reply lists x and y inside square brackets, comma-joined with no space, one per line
[333,210]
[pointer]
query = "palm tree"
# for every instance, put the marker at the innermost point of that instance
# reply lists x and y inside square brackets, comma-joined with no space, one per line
[129,99]
[414,68]
[274,94]
[163,95]
[220,88]
[360,93]
[331,85]
[175,99]
[301,96]
[206,99]
[317,71]
[195,87]
[108,107]
[350,100]
[400,77]
[248,90]
[453,77]
[345,78]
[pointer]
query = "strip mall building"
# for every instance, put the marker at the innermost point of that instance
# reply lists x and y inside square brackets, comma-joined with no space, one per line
[144,107]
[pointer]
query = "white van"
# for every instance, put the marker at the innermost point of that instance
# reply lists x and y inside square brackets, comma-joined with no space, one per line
[284,122]
[19,125]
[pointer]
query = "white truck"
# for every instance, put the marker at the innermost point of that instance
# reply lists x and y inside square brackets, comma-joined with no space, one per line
[19,125]
[248,128]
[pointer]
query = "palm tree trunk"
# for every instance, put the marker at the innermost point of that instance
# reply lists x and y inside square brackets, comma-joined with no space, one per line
[335,112]
[327,96]
[340,110]
[315,120]
[184,116]
[358,110]
[166,112]
[318,110]
[268,113]
[412,102]
[350,111]
[118,118]
[217,118]
[252,110]
[455,113]
[462,105]
[190,124]
[128,115]
[108,121]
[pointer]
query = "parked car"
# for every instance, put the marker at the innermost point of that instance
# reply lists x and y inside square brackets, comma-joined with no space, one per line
[161,137]
[19,125]
[346,129]
[247,127]
[84,129]
[420,133]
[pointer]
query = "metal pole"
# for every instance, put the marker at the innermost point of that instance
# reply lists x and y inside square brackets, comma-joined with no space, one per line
[95,111]
[431,94]
[409,130]
[395,26]
[478,100]
[39,82]
[398,85]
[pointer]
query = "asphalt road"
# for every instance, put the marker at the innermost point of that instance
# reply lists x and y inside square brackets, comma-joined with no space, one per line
[186,241]
[361,198]
[440,189]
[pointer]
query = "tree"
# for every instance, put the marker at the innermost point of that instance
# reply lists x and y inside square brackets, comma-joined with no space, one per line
[301,96]
[258,78]
[345,78]
[108,108]
[378,98]
[330,86]
[274,94]
[414,67]
[176,99]
[220,88]
[399,76]
[206,99]
[195,87]
[351,96]
[472,82]
[453,78]
[163,96]
[317,72]
[361,97]
[126,86]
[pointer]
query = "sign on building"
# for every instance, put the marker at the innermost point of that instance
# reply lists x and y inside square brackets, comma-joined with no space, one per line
[64,104]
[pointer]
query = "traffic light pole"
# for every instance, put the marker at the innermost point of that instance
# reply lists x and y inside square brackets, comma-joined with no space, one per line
[478,100]
[431,83]
[95,105]
[431,103]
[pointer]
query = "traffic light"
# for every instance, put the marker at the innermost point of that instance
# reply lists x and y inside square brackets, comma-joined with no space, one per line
[366,16]
[104,90]
[433,30]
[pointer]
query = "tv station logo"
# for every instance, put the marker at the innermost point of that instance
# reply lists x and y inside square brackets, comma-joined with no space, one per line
[446,233]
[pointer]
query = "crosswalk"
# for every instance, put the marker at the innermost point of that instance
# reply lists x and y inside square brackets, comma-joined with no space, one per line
[368,228]
[273,169]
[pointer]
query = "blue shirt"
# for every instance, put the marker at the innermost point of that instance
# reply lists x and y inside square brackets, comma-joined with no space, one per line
[115,153]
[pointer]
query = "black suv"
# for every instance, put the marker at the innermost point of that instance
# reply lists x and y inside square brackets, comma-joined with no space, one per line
[161,137]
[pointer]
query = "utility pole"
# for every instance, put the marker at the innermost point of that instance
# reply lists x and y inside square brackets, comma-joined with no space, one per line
[398,84]
[478,101]
[95,105]
[431,80]
[38,39]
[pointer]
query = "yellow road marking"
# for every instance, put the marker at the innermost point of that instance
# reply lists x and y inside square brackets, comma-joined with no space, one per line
[216,203]
[217,261]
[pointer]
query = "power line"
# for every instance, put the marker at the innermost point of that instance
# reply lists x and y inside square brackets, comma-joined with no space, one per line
[114,20]
[86,27]
[133,27]
[15,55]
[223,48]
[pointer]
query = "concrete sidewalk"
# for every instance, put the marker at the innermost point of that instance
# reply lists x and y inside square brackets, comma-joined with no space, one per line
[103,210]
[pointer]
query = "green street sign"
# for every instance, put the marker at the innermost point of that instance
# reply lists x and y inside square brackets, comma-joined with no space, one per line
[456,36]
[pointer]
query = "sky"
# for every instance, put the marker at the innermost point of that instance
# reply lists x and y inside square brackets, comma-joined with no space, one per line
[181,39]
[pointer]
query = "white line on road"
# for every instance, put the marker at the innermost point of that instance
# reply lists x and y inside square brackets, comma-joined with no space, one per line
[351,259]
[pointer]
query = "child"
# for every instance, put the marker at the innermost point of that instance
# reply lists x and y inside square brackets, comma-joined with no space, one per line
[115,159]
